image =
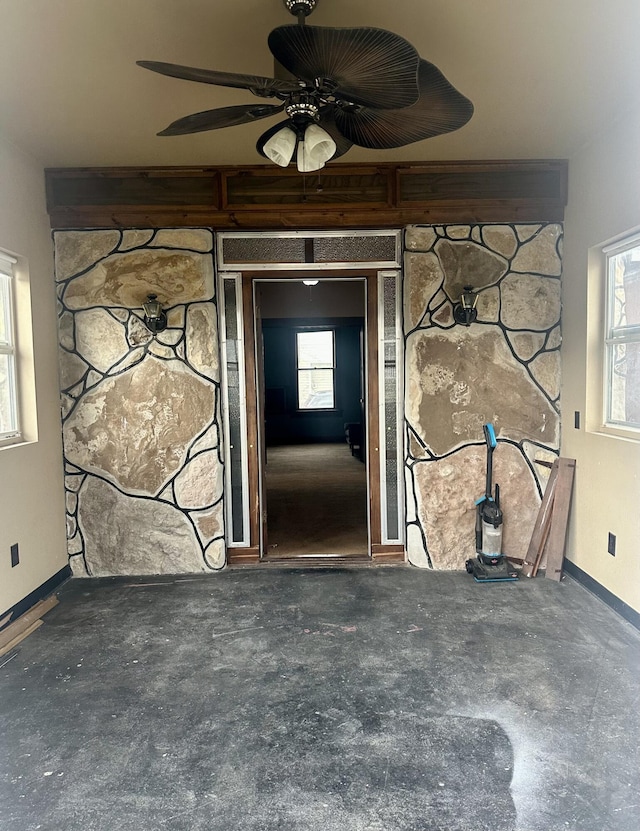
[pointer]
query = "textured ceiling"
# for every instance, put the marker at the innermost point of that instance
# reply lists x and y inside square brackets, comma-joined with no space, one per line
[544,75]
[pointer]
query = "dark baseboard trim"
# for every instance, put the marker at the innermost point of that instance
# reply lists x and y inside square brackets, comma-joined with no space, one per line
[47,588]
[603,594]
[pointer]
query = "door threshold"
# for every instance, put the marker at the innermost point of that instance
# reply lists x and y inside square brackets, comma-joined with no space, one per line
[316,561]
[312,559]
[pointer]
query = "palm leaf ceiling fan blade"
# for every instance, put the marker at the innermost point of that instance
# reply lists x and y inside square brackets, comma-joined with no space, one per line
[257,84]
[371,67]
[221,117]
[440,109]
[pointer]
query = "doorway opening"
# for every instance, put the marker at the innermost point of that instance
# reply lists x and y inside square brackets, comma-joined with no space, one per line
[310,340]
[359,431]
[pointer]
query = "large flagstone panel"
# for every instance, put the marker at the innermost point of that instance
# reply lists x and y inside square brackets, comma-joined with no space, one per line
[456,481]
[125,535]
[125,279]
[136,428]
[460,379]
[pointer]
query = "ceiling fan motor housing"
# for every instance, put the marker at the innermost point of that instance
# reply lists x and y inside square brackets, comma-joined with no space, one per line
[297,7]
[302,108]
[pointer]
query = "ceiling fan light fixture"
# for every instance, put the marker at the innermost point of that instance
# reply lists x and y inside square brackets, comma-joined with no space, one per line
[315,149]
[281,147]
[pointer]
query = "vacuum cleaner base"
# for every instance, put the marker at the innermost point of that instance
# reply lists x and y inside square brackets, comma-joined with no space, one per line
[501,572]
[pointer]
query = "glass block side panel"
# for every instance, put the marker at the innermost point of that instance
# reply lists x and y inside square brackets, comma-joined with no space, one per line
[389,392]
[234,414]
[355,249]
[389,308]
[258,249]
[391,465]
[230,310]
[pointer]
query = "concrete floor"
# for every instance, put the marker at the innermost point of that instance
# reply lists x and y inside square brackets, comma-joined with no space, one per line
[385,699]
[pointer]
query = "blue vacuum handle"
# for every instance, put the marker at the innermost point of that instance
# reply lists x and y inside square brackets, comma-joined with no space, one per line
[490,438]
[490,435]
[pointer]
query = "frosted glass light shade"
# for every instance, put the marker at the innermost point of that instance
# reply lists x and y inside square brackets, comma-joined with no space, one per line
[280,147]
[316,149]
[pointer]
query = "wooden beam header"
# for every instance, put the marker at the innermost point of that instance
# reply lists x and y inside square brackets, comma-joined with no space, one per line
[339,196]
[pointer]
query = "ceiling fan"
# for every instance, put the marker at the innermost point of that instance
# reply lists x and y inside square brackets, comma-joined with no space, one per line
[362,86]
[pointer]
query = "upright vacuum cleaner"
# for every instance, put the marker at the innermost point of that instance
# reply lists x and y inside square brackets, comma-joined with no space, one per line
[490,565]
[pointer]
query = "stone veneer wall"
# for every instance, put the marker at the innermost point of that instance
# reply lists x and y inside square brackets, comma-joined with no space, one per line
[504,369]
[141,415]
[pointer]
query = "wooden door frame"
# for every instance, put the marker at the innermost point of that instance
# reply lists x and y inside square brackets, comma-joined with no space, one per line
[378,552]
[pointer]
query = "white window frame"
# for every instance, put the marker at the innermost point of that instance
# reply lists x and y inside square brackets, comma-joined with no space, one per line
[8,345]
[616,335]
[307,330]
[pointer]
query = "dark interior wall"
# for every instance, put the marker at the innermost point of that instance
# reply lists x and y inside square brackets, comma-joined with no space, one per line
[284,423]
[331,297]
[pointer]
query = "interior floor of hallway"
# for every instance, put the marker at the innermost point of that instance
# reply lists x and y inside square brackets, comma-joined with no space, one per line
[316,501]
[352,699]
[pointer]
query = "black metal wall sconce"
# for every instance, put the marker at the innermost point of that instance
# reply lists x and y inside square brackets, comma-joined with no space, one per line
[155,318]
[465,311]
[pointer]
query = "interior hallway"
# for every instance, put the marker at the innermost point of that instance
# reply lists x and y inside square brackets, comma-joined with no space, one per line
[316,501]
[359,699]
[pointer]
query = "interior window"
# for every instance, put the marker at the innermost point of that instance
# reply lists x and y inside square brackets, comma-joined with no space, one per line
[315,366]
[622,341]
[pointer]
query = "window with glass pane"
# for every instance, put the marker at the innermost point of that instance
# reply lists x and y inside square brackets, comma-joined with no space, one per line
[315,364]
[623,335]
[9,428]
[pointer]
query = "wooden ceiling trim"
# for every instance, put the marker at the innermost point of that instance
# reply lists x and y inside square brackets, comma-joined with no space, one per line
[342,196]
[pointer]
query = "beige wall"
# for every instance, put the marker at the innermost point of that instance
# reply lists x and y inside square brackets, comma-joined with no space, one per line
[604,202]
[31,487]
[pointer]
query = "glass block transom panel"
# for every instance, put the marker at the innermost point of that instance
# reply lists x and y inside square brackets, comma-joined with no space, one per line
[353,249]
[265,249]
[319,249]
